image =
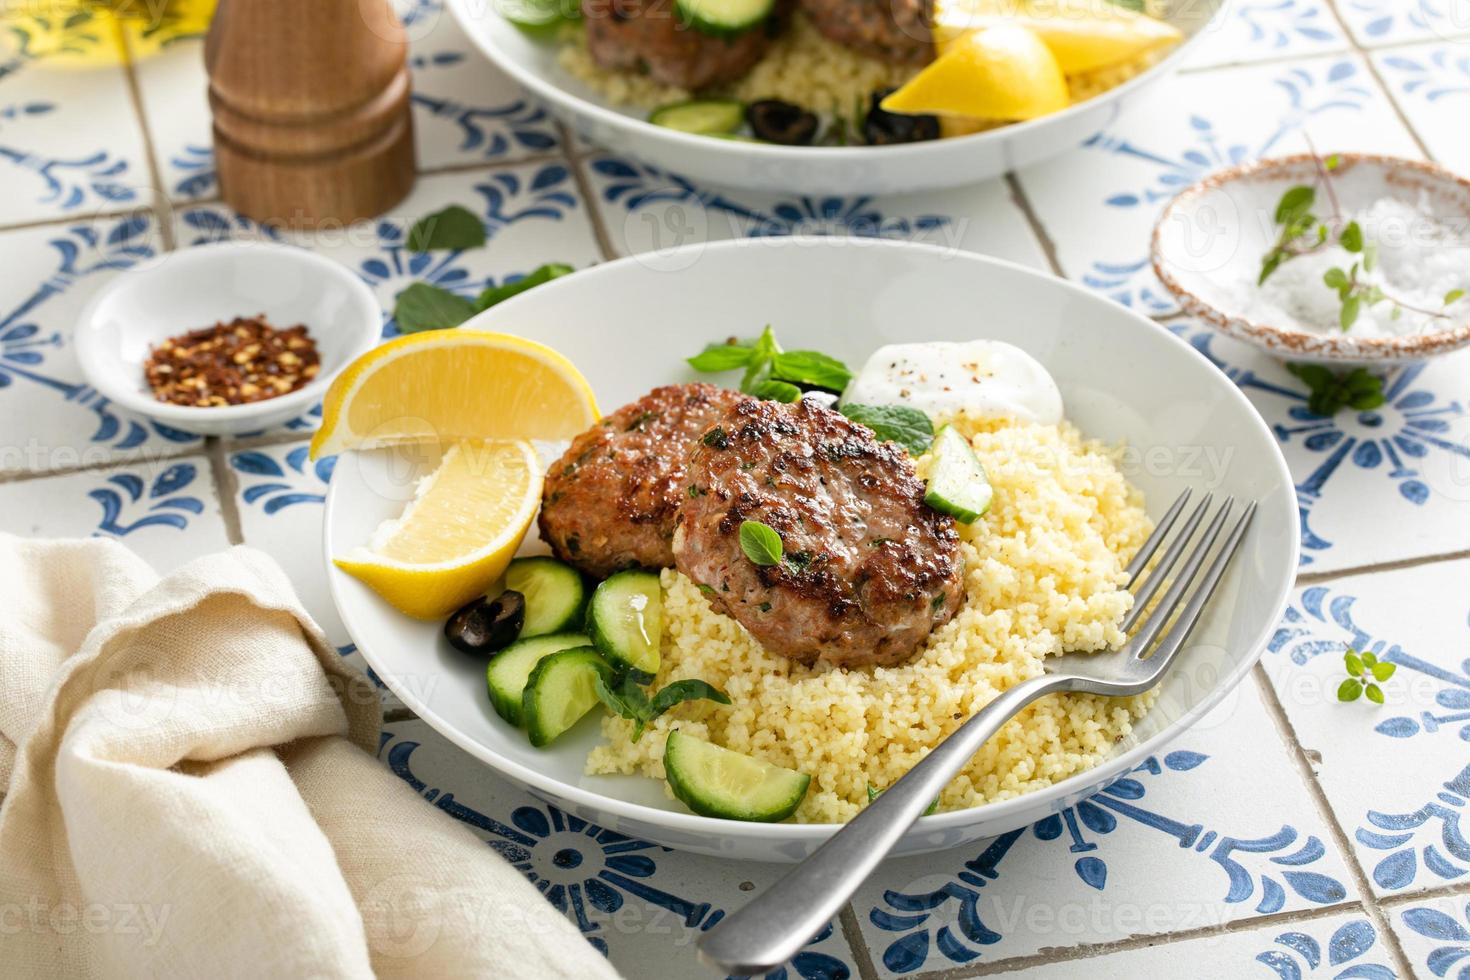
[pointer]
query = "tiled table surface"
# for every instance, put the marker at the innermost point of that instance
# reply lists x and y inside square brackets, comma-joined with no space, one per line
[1287,834]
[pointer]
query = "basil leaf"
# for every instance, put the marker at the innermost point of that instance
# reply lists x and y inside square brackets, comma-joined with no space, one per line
[681,691]
[759,366]
[776,391]
[811,368]
[761,544]
[908,427]
[503,292]
[721,357]
[425,307]
[453,229]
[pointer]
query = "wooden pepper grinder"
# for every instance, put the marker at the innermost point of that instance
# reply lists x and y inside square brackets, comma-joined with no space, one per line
[312,120]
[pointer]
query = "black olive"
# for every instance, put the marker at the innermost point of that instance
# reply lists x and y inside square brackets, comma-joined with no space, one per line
[781,122]
[882,128]
[487,625]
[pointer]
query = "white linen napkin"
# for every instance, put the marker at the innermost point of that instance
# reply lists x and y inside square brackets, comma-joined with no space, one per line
[188,792]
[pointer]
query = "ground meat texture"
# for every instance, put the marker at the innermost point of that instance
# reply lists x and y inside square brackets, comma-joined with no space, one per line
[648,36]
[611,501]
[869,569]
[893,30]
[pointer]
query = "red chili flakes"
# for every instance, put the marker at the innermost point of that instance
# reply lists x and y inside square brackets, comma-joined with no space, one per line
[245,360]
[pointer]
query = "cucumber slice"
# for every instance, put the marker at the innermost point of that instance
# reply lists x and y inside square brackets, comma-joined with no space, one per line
[554,593]
[539,18]
[508,672]
[717,782]
[724,18]
[560,691]
[703,117]
[626,620]
[957,484]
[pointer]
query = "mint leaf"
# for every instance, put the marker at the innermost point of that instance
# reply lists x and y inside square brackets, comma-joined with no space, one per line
[721,357]
[453,229]
[759,366]
[687,690]
[542,274]
[425,307]
[811,368]
[908,427]
[776,391]
[761,544]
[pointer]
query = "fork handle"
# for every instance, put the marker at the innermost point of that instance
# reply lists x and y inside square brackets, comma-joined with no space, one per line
[773,927]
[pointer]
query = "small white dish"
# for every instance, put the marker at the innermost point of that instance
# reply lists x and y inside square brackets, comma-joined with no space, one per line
[811,169]
[198,287]
[629,325]
[1215,232]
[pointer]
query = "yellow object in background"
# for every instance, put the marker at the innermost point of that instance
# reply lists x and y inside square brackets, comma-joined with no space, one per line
[1001,72]
[94,33]
[1084,35]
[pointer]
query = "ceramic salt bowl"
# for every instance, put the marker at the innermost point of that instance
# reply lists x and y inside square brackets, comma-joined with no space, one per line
[1211,237]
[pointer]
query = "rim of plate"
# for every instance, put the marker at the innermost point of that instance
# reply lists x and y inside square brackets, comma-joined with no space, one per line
[1281,340]
[461,9]
[816,832]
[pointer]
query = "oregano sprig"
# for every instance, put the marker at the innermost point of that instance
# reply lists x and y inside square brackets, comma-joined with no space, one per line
[1365,672]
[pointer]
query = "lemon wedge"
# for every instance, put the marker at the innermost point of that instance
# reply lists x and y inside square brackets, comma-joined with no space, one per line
[450,385]
[1000,72]
[459,532]
[1083,35]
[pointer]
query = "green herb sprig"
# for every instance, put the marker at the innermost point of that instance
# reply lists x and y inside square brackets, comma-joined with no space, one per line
[1302,232]
[770,372]
[1365,672]
[874,792]
[1330,392]
[761,543]
[423,306]
[626,698]
[909,427]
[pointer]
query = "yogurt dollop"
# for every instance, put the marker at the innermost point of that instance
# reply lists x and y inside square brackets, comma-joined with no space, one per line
[980,377]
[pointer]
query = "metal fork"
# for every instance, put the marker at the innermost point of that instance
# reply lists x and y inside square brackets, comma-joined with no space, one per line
[773,927]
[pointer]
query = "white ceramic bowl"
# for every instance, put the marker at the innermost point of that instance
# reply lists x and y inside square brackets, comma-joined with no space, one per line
[629,324]
[198,287]
[1215,232]
[811,170]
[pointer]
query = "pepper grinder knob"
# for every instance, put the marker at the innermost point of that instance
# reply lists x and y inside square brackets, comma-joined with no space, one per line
[313,123]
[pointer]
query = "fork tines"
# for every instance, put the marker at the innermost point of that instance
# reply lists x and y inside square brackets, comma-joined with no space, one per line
[1181,584]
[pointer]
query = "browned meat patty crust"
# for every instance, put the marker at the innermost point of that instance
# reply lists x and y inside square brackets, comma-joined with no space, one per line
[869,569]
[610,502]
[649,36]
[893,30]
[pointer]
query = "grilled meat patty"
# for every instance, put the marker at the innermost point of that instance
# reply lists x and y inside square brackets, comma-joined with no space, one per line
[869,569]
[610,502]
[894,30]
[649,36]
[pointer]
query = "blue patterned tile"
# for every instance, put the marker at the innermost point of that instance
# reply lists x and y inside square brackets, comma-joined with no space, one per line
[50,419]
[1431,84]
[1178,844]
[642,905]
[1099,202]
[1338,947]
[1379,22]
[646,209]
[1406,829]
[165,510]
[1406,462]
[1257,29]
[280,495]
[1435,936]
